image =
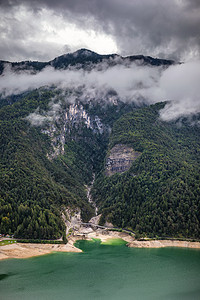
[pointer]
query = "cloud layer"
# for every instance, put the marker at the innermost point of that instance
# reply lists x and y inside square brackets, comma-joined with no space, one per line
[43,29]
[178,84]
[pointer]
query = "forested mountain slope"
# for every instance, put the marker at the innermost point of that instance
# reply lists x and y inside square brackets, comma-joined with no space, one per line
[62,126]
[34,188]
[160,194]
[46,162]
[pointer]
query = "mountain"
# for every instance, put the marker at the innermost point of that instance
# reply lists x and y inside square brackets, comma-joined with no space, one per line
[158,195]
[82,58]
[45,167]
[54,141]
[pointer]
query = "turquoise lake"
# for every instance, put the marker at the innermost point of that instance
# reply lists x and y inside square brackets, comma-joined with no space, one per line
[104,272]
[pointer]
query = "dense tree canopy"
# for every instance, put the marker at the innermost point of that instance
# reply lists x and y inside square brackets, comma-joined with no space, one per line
[160,194]
[33,188]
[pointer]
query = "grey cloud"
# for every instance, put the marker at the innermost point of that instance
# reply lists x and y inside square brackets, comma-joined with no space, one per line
[193,4]
[181,85]
[38,118]
[150,27]
[178,84]
[23,36]
[38,51]
[127,81]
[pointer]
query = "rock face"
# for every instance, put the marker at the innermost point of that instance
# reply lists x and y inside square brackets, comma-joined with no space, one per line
[73,118]
[120,159]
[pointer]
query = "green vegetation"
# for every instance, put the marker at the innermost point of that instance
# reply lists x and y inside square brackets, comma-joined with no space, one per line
[34,189]
[38,241]
[160,194]
[7,242]
[114,242]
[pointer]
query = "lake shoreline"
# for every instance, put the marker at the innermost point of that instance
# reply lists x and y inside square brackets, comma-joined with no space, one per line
[27,250]
[163,244]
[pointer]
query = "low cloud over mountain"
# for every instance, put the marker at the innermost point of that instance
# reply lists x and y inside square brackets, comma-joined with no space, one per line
[178,84]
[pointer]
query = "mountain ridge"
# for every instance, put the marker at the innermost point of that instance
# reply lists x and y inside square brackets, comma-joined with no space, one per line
[81,57]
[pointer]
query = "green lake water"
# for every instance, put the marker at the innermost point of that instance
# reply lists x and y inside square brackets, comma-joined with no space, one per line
[104,271]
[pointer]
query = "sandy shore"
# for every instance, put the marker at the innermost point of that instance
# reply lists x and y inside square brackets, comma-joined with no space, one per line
[26,250]
[132,243]
[163,243]
[19,250]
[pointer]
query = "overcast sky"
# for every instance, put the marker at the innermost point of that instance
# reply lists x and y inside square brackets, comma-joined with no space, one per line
[44,29]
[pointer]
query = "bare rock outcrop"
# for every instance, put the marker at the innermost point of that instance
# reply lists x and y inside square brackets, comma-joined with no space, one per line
[120,159]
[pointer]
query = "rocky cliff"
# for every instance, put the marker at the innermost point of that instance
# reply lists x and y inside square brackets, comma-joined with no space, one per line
[120,159]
